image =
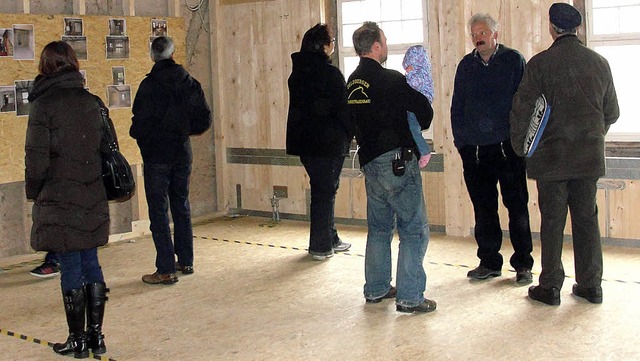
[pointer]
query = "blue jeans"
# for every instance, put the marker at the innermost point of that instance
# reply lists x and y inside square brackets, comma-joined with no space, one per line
[324,178]
[395,200]
[79,268]
[51,257]
[416,134]
[167,185]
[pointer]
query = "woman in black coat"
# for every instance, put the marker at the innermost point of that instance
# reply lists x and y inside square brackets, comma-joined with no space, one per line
[318,131]
[63,176]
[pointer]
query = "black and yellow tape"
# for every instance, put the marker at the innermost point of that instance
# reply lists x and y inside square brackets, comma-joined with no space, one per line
[46,343]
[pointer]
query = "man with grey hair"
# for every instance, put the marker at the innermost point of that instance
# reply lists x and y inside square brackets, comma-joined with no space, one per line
[169,107]
[378,100]
[485,82]
[569,158]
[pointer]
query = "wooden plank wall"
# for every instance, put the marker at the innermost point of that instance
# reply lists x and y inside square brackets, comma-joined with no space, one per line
[252,47]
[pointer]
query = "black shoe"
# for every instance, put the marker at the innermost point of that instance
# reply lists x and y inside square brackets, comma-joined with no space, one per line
[341,246]
[186,270]
[426,306]
[524,276]
[391,294]
[550,296]
[593,295]
[46,270]
[482,273]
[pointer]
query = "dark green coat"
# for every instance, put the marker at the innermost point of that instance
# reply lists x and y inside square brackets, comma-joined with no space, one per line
[578,85]
[63,173]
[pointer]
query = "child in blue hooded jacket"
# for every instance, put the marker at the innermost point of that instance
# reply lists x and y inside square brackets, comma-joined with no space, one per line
[418,67]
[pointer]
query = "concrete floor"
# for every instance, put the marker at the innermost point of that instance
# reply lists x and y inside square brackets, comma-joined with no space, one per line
[257,295]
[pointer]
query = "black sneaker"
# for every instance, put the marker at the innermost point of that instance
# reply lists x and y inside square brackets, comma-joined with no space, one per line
[186,270]
[524,276]
[593,295]
[482,273]
[46,270]
[550,296]
[426,306]
[391,294]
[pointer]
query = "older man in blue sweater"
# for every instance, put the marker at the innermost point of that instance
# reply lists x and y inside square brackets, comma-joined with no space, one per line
[486,80]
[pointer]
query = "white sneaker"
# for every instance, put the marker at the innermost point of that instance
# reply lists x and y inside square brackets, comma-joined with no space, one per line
[321,256]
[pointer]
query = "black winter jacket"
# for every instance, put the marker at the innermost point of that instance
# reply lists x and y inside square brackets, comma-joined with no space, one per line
[318,122]
[63,173]
[169,106]
[378,101]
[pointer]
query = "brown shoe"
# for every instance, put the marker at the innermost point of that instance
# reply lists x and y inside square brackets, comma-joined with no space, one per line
[157,278]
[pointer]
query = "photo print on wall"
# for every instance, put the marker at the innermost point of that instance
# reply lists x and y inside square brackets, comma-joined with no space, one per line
[119,96]
[6,42]
[23,42]
[8,99]
[117,27]
[78,44]
[23,88]
[73,27]
[117,47]
[84,78]
[117,73]
[158,27]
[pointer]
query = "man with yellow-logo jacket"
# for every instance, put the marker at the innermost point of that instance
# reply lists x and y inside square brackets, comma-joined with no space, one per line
[378,101]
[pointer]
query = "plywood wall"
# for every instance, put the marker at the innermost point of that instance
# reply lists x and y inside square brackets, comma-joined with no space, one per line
[253,43]
[49,28]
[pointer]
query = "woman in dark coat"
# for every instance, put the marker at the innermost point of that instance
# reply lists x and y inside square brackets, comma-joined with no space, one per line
[63,177]
[318,130]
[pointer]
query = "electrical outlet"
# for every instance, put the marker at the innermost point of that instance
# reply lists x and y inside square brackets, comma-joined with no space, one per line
[280,191]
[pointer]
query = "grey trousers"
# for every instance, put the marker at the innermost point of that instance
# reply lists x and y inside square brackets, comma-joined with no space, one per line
[579,196]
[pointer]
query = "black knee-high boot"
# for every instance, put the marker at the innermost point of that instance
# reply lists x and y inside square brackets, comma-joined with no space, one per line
[96,298]
[74,306]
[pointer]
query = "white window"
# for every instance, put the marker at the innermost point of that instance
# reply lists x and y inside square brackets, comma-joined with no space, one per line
[404,23]
[614,32]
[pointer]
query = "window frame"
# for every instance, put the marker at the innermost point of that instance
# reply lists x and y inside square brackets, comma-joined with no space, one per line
[624,139]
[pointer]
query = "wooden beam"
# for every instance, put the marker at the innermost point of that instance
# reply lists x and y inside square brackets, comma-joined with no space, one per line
[174,8]
[129,7]
[79,7]
[26,7]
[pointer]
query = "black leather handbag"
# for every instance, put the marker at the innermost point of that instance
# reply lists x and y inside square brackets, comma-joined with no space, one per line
[116,171]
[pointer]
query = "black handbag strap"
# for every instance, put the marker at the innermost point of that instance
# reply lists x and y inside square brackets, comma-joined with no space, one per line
[107,132]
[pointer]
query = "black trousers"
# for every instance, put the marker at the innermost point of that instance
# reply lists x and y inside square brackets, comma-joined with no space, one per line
[579,196]
[484,168]
[324,178]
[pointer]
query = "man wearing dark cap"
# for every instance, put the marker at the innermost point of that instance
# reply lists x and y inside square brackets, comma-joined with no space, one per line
[569,159]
